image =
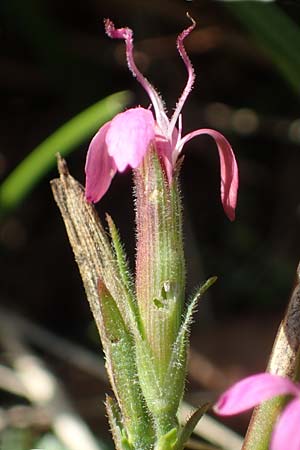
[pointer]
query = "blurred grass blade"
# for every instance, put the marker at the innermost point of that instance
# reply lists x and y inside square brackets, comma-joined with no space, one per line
[66,139]
[276,32]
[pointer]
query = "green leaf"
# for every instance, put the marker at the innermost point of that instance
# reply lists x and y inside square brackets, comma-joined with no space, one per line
[167,441]
[177,367]
[115,423]
[193,303]
[125,275]
[161,407]
[120,254]
[172,389]
[188,428]
[68,137]
[276,33]
[163,396]
[119,350]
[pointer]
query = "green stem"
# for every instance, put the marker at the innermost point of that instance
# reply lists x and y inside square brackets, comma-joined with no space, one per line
[284,361]
[262,423]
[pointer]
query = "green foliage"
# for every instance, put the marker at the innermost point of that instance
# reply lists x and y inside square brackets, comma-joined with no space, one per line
[188,428]
[124,274]
[119,350]
[115,423]
[64,140]
[167,441]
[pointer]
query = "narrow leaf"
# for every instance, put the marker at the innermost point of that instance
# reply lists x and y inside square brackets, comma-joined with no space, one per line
[193,303]
[125,273]
[115,421]
[188,428]
[177,367]
[67,138]
[114,326]
[121,367]
[167,441]
[180,344]
[120,254]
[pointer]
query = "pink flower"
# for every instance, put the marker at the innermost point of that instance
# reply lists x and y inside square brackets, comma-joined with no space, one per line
[256,389]
[126,138]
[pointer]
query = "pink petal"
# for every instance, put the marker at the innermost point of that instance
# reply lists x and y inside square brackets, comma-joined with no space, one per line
[165,150]
[287,430]
[229,168]
[99,167]
[129,136]
[253,390]
[127,34]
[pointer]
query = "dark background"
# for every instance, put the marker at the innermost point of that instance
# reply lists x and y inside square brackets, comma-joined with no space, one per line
[56,61]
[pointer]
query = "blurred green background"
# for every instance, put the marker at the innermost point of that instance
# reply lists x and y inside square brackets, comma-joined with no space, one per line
[56,61]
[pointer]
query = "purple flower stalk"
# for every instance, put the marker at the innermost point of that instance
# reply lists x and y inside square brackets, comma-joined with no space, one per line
[124,140]
[256,389]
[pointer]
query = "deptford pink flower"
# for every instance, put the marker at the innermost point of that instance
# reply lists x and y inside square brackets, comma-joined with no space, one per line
[256,389]
[124,140]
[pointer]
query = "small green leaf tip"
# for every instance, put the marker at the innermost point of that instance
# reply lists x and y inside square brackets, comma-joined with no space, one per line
[207,285]
[115,421]
[193,303]
[167,441]
[125,276]
[188,428]
[114,326]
